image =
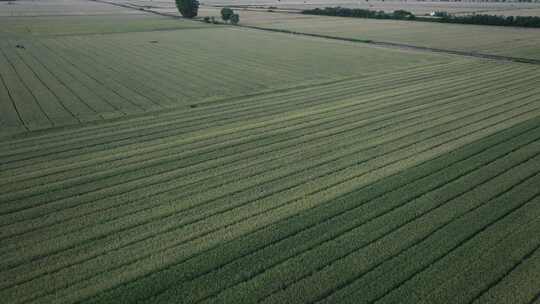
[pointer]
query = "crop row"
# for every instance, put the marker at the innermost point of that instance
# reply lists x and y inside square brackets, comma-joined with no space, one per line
[396,148]
[209,116]
[305,128]
[448,189]
[273,235]
[316,155]
[122,74]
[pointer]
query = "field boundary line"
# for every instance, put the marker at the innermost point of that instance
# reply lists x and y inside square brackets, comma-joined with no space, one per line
[356,40]
[404,46]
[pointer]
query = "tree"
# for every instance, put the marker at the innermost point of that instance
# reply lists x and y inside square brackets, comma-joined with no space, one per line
[188,8]
[235,19]
[226,14]
[403,14]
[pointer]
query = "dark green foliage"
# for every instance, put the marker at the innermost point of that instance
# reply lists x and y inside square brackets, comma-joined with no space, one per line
[444,17]
[522,21]
[402,14]
[359,13]
[206,19]
[226,14]
[441,14]
[188,8]
[235,19]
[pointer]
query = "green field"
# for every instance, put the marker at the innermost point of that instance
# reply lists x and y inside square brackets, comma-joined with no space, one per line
[178,162]
[506,41]
[67,74]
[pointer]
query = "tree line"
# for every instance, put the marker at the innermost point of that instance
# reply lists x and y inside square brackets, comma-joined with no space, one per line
[359,13]
[522,21]
[442,17]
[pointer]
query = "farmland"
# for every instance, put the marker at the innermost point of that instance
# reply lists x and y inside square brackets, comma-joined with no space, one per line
[507,41]
[138,72]
[507,8]
[147,159]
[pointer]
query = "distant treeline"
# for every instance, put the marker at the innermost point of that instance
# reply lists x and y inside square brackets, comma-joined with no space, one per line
[358,13]
[442,17]
[523,21]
